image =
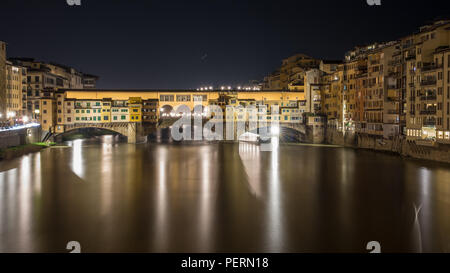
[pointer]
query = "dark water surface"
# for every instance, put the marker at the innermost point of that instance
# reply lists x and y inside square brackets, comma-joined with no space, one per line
[117,197]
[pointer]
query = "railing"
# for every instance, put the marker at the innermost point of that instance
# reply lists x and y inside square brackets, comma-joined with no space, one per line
[394,62]
[407,45]
[394,74]
[410,57]
[428,82]
[431,67]
[430,97]
[430,122]
[393,112]
[429,111]
[390,98]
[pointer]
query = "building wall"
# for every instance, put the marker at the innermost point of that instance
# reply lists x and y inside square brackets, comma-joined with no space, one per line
[47,118]
[16,82]
[2,80]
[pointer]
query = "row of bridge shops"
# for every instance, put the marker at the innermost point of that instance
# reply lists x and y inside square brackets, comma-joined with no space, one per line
[67,109]
[71,108]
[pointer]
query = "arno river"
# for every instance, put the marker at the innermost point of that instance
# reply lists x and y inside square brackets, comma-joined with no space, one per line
[117,197]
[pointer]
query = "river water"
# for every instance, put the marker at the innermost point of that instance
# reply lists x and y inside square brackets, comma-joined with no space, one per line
[221,197]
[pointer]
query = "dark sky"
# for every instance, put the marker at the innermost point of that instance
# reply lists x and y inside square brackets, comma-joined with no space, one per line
[188,43]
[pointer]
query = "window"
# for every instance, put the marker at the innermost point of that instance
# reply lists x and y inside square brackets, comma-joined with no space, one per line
[69,119]
[105,118]
[166,97]
[122,117]
[77,118]
[199,97]
[115,117]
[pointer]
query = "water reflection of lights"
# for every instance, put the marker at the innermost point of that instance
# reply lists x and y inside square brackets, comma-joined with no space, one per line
[19,187]
[275,220]
[107,173]
[422,209]
[77,157]
[205,203]
[249,154]
[275,130]
[161,237]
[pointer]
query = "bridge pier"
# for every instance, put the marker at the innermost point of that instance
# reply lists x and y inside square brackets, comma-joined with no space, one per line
[135,133]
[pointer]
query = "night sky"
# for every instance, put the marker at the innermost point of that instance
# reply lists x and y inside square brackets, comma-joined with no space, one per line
[188,43]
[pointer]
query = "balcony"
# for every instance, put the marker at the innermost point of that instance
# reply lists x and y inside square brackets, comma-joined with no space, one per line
[428,111]
[410,57]
[431,67]
[394,62]
[394,74]
[428,82]
[393,112]
[429,122]
[429,97]
[408,45]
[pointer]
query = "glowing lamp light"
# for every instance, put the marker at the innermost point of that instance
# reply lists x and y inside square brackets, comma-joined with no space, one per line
[275,130]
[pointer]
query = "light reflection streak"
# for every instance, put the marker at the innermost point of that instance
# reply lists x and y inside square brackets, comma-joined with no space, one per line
[274,201]
[107,175]
[77,158]
[205,201]
[422,209]
[25,201]
[161,229]
[250,157]
[19,187]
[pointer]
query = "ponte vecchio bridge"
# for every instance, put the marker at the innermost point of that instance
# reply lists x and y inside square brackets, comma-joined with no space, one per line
[136,113]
